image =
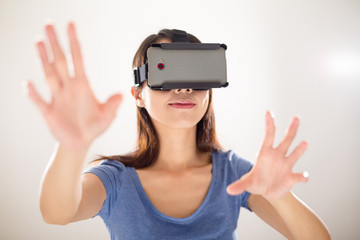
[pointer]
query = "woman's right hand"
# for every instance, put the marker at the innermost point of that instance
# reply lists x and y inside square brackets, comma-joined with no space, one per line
[74,115]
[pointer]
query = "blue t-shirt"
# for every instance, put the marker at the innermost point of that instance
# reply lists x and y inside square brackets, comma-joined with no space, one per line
[129,214]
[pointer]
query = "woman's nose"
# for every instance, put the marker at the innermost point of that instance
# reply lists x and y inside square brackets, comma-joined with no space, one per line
[184,90]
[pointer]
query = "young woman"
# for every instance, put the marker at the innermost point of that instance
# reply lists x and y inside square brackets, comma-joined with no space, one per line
[179,183]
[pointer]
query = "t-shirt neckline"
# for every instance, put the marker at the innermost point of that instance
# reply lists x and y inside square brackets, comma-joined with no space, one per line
[165,217]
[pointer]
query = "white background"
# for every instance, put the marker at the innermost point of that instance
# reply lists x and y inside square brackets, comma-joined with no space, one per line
[292,57]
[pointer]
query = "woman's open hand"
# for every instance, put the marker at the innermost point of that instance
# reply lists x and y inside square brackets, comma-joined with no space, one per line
[74,115]
[272,175]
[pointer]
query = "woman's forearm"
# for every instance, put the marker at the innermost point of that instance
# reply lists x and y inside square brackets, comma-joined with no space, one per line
[301,221]
[60,190]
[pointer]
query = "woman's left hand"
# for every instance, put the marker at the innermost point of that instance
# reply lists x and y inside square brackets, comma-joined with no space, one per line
[272,175]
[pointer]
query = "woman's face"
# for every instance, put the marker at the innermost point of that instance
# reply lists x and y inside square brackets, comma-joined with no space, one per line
[176,108]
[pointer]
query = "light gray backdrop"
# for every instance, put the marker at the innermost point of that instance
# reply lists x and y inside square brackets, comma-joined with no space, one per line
[292,57]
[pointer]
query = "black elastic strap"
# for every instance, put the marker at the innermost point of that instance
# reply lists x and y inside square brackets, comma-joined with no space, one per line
[187,46]
[180,36]
[140,74]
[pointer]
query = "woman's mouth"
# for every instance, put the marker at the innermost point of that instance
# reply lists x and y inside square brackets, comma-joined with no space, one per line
[182,104]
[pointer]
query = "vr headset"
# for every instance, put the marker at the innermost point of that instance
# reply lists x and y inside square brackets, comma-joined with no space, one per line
[182,64]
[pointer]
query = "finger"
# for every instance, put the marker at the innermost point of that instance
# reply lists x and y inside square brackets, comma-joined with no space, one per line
[289,136]
[50,74]
[112,104]
[35,97]
[59,56]
[269,130]
[297,153]
[238,186]
[300,177]
[75,51]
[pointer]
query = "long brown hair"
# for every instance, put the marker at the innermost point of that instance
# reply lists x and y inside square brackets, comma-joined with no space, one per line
[148,145]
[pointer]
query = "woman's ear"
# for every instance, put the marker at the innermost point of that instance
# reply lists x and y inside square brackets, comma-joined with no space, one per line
[136,93]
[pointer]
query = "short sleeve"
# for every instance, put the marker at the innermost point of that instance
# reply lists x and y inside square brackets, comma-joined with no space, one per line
[241,167]
[109,173]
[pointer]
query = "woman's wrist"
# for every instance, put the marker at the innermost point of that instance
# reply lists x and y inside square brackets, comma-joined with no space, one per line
[75,148]
[278,202]
[74,155]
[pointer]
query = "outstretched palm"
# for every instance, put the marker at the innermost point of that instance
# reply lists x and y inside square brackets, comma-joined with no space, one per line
[272,175]
[74,115]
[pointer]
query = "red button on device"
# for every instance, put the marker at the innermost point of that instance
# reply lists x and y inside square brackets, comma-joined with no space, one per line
[161,66]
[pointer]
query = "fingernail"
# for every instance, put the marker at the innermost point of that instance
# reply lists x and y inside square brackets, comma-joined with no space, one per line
[72,23]
[305,174]
[49,21]
[229,190]
[272,114]
[38,38]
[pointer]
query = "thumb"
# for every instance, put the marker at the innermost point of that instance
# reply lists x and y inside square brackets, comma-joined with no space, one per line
[113,103]
[238,186]
[31,91]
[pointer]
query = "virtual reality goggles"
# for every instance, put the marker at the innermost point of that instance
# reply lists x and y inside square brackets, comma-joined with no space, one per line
[182,64]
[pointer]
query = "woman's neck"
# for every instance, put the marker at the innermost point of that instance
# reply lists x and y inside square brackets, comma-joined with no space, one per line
[178,150]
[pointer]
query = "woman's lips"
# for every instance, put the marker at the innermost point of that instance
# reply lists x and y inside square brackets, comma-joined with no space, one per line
[182,103]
